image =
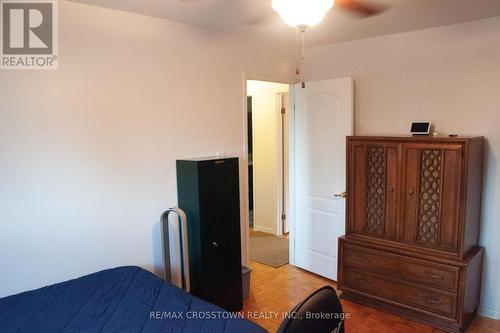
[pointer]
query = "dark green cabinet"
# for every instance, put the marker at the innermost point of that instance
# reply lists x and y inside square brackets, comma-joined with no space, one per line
[208,192]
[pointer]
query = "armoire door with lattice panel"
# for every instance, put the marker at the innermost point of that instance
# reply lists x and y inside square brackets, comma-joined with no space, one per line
[430,195]
[373,188]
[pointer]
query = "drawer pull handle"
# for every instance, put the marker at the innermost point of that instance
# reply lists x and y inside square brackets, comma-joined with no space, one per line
[433,276]
[361,259]
[429,300]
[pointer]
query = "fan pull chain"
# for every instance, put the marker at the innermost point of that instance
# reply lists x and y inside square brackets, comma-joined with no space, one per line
[297,45]
[300,55]
[302,33]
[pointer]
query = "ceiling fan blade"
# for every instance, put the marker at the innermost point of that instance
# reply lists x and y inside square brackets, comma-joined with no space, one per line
[359,8]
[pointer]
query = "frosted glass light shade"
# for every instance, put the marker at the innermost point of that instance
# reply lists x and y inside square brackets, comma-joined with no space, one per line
[302,12]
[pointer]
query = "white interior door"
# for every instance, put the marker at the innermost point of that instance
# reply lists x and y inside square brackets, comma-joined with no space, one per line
[323,119]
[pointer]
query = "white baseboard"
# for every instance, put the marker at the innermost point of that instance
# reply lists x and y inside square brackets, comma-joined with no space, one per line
[263,229]
[490,313]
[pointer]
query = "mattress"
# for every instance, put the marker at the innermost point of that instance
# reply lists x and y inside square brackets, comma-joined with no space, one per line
[123,299]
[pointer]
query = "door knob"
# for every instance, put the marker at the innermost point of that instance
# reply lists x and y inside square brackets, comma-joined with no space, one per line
[215,244]
[341,195]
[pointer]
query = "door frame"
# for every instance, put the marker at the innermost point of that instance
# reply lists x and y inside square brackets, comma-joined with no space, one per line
[290,212]
[244,199]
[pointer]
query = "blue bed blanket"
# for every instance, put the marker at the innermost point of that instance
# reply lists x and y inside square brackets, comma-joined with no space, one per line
[124,299]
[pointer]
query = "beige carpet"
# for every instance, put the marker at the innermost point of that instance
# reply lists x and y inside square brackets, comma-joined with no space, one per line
[268,249]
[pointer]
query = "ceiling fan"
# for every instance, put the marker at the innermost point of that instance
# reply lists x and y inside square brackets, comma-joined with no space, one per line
[302,14]
[359,8]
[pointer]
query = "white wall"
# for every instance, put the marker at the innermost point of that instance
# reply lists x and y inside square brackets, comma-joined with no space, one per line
[450,75]
[266,160]
[87,152]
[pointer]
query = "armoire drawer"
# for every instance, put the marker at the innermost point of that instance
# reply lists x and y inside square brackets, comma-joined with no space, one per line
[401,267]
[438,302]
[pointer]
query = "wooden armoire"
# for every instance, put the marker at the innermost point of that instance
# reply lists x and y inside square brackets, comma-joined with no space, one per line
[412,227]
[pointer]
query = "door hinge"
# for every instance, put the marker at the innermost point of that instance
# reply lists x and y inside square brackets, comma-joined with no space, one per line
[283,217]
[283,110]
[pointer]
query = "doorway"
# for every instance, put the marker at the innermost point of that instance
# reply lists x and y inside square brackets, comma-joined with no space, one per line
[319,119]
[267,111]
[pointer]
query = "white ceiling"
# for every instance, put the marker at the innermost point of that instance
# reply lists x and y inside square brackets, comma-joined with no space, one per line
[242,17]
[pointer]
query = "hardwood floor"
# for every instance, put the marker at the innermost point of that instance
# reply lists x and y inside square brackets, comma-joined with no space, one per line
[277,290]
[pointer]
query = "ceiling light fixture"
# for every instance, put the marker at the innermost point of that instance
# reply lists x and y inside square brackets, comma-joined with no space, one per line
[301,14]
[305,13]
